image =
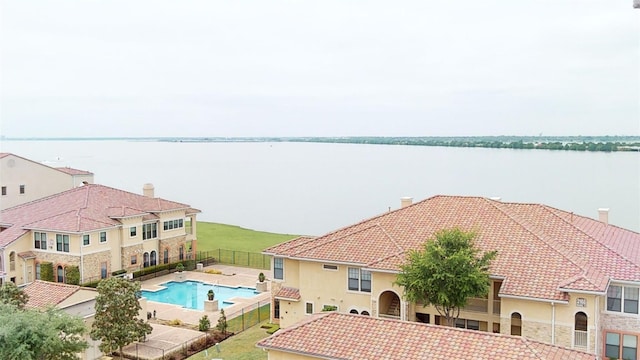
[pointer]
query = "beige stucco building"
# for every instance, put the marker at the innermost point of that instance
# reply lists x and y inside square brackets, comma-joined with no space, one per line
[558,278]
[96,228]
[23,180]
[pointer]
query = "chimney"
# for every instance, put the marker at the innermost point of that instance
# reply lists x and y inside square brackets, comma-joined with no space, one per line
[603,215]
[405,201]
[147,190]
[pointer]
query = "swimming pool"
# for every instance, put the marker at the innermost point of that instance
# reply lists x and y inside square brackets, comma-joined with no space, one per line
[192,294]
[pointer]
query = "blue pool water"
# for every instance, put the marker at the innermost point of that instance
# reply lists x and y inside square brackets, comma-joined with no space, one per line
[192,294]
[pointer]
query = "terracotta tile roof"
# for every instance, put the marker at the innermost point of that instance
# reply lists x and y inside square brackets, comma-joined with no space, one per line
[27,255]
[345,336]
[44,293]
[540,249]
[288,293]
[82,209]
[72,171]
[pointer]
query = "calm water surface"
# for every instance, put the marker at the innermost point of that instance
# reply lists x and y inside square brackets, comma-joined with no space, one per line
[192,294]
[306,188]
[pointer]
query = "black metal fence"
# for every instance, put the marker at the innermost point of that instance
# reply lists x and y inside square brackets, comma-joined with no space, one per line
[234,257]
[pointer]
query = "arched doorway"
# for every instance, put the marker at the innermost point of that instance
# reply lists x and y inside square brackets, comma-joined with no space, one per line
[580,326]
[153,258]
[389,305]
[145,259]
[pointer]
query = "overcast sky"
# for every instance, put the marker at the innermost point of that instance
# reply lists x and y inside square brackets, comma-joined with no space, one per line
[319,68]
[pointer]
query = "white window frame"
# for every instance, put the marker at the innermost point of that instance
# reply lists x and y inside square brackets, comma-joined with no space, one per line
[88,236]
[624,290]
[133,231]
[275,275]
[360,280]
[103,235]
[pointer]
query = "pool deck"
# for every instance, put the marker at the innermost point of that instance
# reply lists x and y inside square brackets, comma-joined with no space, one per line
[165,339]
[231,276]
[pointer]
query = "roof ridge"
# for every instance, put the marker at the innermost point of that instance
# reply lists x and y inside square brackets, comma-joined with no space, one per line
[395,242]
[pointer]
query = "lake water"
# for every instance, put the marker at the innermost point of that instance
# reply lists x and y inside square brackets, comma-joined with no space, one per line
[307,188]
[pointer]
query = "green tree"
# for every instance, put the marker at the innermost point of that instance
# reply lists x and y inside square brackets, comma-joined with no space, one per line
[72,275]
[448,271]
[12,295]
[116,322]
[34,335]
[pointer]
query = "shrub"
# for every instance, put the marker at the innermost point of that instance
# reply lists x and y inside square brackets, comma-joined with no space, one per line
[213,271]
[92,284]
[71,273]
[175,322]
[46,271]
[205,324]
[329,308]
[119,272]
[222,323]
[180,267]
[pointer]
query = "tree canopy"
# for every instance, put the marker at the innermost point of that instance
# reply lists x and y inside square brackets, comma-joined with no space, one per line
[448,271]
[12,295]
[34,335]
[116,321]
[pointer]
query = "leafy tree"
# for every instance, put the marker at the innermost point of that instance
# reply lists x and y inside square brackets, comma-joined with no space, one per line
[222,323]
[12,295]
[116,322]
[448,271]
[34,335]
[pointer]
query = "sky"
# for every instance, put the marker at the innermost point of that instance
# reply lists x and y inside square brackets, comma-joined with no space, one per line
[319,68]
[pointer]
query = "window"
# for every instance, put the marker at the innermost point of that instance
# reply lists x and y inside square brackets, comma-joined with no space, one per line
[4,190]
[278,268]
[60,272]
[359,280]
[149,231]
[276,309]
[134,259]
[37,271]
[21,189]
[330,267]
[12,261]
[181,252]
[86,239]
[628,349]
[166,256]
[308,308]
[623,299]
[103,270]
[467,324]
[145,259]
[580,330]
[40,240]
[62,243]
[353,311]
[153,258]
[516,324]
[133,231]
[173,224]
[103,236]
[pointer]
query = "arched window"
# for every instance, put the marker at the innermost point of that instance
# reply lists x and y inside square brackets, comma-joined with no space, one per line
[516,324]
[580,327]
[60,271]
[365,313]
[353,311]
[12,261]
[153,258]
[145,259]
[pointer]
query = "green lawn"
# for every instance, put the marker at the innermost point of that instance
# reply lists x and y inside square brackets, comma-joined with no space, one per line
[213,236]
[238,347]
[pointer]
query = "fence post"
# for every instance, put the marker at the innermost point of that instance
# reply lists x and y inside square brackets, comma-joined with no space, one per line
[248,259]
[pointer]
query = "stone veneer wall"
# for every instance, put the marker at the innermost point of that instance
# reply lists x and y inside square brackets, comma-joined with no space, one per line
[174,245]
[127,252]
[619,323]
[542,332]
[92,263]
[58,258]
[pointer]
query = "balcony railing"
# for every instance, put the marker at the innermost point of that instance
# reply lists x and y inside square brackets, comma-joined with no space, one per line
[496,307]
[478,305]
[580,338]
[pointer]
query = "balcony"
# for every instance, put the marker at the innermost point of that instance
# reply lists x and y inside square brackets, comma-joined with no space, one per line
[477,305]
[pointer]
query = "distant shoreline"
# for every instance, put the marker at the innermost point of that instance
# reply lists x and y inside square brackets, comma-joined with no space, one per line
[567,143]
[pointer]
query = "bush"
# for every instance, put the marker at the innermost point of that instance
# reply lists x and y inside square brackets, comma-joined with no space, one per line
[92,284]
[71,274]
[119,272]
[329,308]
[46,271]
[213,271]
[175,322]
[205,324]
